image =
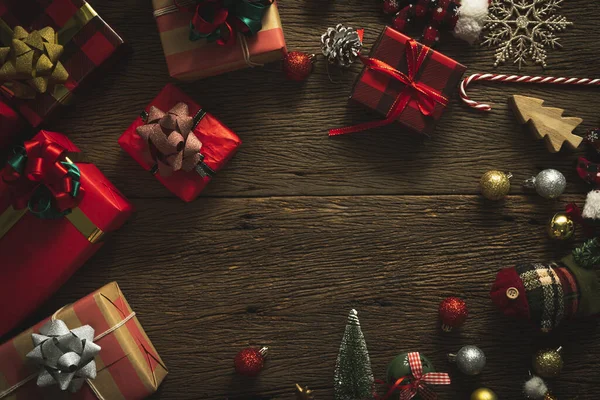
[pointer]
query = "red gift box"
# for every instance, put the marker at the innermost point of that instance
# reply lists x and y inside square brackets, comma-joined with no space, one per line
[10,124]
[88,42]
[405,81]
[39,255]
[128,367]
[218,145]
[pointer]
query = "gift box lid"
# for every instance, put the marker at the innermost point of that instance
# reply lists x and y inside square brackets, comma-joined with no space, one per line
[379,91]
[219,144]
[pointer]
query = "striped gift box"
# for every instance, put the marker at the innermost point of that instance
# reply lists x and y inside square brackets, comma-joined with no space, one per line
[128,365]
[190,60]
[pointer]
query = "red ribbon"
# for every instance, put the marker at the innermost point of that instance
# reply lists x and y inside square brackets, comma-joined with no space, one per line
[425,96]
[42,167]
[419,382]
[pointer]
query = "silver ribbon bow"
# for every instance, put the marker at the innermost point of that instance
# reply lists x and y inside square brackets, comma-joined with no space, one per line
[66,357]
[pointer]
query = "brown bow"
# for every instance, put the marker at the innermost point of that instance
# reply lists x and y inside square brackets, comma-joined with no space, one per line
[30,64]
[171,135]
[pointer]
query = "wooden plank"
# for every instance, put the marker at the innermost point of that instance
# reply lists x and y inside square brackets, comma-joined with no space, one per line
[283,124]
[214,276]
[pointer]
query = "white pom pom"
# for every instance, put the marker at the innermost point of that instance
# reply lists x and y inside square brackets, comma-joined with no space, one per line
[535,388]
[471,17]
[592,205]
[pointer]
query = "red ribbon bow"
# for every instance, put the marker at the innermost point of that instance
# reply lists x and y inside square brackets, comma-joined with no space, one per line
[425,96]
[42,167]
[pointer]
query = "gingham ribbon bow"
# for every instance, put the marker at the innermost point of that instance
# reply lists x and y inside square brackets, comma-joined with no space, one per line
[420,380]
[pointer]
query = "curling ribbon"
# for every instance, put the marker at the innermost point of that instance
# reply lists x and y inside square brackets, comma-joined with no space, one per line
[425,96]
[40,178]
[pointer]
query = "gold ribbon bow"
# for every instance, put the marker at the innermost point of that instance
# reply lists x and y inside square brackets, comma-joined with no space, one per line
[30,64]
[173,145]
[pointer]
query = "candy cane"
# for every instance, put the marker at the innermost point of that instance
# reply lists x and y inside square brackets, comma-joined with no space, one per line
[517,79]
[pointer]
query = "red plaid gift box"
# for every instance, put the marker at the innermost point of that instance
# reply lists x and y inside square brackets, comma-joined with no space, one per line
[214,144]
[87,43]
[405,81]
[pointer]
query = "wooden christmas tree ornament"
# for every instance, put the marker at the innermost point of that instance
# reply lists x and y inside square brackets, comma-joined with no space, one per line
[547,122]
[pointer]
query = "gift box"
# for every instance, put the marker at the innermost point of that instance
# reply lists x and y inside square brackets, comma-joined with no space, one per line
[61,43]
[55,212]
[10,125]
[114,358]
[406,82]
[180,143]
[194,59]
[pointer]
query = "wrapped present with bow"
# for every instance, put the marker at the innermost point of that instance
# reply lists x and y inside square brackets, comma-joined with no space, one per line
[93,349]
[48,50]
[202,38]
[55,211]
[182,145]
[405,81]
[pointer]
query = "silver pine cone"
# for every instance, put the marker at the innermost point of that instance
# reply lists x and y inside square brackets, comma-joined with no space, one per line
[341,45]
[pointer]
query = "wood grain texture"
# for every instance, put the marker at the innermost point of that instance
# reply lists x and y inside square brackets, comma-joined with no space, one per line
[300,227]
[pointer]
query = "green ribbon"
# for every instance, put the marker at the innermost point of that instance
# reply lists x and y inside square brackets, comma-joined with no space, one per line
[247,12]
[40,203]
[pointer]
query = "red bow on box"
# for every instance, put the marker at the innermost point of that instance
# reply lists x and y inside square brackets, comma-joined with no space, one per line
[425,96]
[41,162]
[419,382]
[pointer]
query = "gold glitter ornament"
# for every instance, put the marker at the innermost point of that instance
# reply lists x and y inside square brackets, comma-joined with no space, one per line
[303,393]
[495,185]
[548,363]
[483,394]
[549,396]
[561,227]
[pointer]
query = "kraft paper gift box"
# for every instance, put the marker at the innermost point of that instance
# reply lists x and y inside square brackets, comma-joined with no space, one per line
[55,212]
[127,366]
[40,28]
[195,59]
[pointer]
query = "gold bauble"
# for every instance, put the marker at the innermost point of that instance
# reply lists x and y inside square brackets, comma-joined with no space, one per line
[495,185]
[561,227]
[547,363]
[483,394]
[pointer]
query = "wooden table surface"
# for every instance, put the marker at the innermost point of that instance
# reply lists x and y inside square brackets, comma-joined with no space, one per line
[299,228]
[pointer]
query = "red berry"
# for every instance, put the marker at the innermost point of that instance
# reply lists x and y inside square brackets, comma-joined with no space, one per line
[250,361]
[297,65]
[453,313]
[391,6]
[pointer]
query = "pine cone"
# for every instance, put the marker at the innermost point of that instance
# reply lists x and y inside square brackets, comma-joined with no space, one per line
[341,45]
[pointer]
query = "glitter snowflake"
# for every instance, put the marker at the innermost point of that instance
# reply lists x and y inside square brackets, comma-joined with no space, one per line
[522,29]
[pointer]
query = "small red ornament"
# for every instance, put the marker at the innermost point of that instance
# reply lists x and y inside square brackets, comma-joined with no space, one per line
[453,313]
[297,65]
[250,361]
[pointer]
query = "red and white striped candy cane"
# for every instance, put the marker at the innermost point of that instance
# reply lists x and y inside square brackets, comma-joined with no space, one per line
[517,79]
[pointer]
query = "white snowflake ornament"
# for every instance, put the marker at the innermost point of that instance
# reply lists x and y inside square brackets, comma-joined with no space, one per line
[522,29]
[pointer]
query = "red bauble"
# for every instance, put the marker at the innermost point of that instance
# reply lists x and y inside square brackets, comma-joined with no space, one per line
[453,313]
[250,361]
[297,65]
[391,6]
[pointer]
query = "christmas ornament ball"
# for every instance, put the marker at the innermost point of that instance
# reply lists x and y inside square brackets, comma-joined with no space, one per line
[483,394]
[495,185]
[453,313]
[548,363]
[297,65]
[549,183]
[561,227]
[250,361]
[399,368]
[470,360]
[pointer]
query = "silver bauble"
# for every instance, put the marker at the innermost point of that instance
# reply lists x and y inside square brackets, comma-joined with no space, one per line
[549,183]
[470,360]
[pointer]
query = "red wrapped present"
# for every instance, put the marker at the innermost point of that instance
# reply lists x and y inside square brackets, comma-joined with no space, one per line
[405,81]
[10,124]
[54,214]
[59,42]
[94,347]
[203,38]
[180,143]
